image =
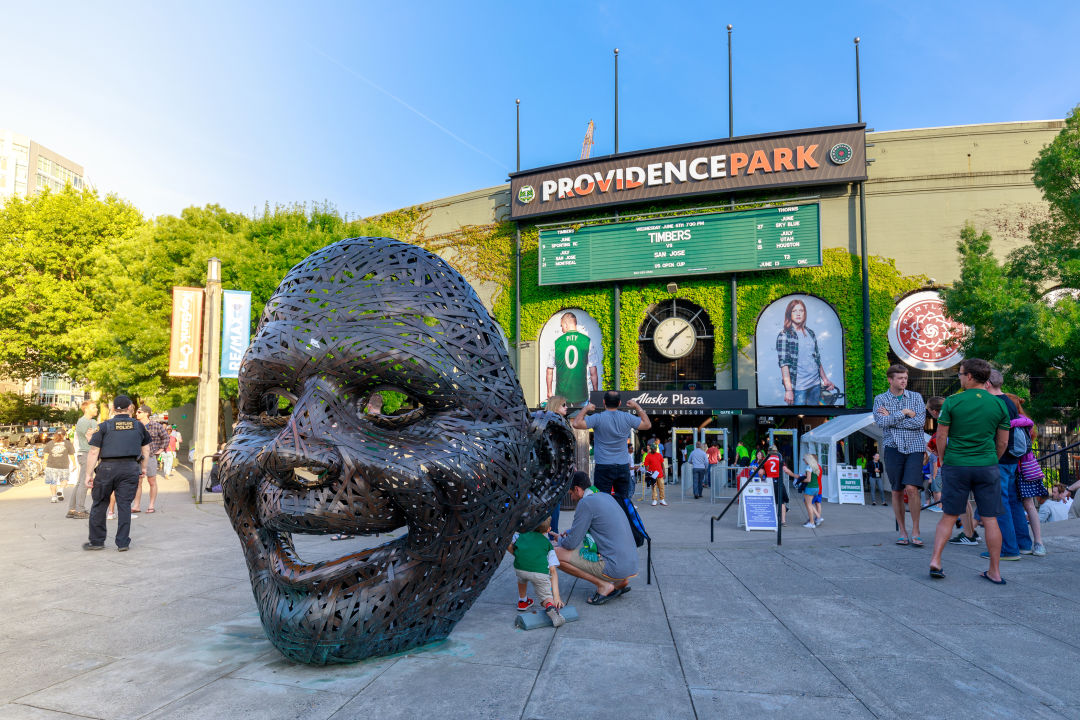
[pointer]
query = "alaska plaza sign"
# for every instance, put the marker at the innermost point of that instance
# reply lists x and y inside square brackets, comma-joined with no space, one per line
[679,402]
[819,156]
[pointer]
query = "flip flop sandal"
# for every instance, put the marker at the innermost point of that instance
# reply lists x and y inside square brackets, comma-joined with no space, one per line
[916,544]
[150,510]
[623,591]
[903,541]
[598,599]
[937,573]
[987,577]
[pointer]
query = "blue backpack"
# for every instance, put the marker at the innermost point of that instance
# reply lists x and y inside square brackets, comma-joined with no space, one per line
[636,525]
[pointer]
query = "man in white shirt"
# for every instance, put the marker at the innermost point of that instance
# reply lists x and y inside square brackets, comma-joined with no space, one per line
[1057,507]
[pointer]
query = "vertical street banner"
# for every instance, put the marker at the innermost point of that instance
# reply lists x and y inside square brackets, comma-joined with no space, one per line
[235,330]
[185,346]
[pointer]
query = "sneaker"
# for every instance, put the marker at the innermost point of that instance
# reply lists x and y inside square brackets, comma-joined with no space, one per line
[525,604]
[1011,558]
[78,514]
[663,502]
[54,499]
[555,616]
[1026,552]
[59,494]
[1038,550]
[123,549]
[961,539]
[809,525]
[818,521]
[91,546]
[110,516]
[654,503]
[935,508]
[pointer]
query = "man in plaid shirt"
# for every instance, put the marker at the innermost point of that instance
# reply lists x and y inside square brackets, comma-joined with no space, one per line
[159,440]
[901,415]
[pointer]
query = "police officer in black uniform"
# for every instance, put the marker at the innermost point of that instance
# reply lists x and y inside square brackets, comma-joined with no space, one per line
[123,446]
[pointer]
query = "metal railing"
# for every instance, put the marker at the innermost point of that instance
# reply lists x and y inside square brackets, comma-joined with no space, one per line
[1060,464]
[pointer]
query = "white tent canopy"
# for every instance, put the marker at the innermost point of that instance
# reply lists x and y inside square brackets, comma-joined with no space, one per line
[842,426]
[822,442]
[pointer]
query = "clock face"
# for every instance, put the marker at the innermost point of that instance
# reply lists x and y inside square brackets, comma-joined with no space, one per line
[674,338]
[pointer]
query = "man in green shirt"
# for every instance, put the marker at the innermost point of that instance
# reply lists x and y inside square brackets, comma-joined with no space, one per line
[973,427]
[84,428]
[572,363]
[742,455]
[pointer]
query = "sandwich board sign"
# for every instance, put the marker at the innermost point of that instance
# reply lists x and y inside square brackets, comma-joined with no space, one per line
[757,511]
[851,485]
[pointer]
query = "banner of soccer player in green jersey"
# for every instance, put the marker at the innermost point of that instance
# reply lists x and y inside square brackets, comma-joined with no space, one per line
[571,355]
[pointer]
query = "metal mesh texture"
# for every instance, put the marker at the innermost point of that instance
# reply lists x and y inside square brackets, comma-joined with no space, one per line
[461,463]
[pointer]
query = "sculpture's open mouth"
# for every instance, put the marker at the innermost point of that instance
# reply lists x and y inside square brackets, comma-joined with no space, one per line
[288,518]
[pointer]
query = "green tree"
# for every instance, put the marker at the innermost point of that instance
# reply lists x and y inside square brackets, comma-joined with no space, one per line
[49,246]
[131,343]
[1053,256]
[1037,344]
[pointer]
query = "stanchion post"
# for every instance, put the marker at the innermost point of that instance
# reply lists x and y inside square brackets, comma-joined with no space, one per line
[779,525]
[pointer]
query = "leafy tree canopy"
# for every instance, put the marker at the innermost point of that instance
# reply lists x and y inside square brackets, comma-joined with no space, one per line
[1036,343]
[49,247]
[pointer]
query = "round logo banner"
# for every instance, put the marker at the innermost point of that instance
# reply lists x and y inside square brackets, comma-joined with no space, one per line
[922,336]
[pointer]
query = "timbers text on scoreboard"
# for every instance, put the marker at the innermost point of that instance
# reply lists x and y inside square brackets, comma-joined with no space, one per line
[676,246]
[821,156]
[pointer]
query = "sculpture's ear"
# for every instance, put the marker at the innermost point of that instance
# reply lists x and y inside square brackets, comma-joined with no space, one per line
[550,466]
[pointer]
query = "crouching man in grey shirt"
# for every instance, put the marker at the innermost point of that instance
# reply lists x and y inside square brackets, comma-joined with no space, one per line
[614,560]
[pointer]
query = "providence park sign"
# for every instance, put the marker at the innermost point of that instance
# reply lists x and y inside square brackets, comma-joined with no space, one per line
[819,156]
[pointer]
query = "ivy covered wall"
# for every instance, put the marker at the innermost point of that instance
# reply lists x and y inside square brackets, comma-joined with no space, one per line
[486,254]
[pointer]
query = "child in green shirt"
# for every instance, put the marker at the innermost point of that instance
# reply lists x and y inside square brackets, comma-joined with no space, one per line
[535,561]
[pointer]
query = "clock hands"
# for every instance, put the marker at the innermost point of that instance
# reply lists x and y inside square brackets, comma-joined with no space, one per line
[684,329]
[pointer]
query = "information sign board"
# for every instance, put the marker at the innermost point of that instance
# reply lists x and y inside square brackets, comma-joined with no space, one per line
[740,241]
[757,511]
[851,485]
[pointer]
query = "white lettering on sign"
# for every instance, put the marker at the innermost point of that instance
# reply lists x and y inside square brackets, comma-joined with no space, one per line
[694,169]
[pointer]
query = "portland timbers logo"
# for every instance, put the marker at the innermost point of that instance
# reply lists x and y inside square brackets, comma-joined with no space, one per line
[840,153]
[526,194]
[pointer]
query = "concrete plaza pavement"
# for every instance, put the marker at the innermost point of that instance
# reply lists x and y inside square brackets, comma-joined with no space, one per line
[837,623]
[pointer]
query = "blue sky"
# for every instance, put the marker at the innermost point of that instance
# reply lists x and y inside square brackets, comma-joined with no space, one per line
[375,106]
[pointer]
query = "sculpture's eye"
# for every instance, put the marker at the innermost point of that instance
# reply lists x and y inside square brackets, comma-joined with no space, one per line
[278,402]
[389,406]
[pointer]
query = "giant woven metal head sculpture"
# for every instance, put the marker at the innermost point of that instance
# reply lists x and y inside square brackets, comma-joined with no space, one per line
[461,462]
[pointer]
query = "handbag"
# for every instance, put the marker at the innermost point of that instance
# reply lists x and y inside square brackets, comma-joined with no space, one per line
[1030,478]
[1029,468]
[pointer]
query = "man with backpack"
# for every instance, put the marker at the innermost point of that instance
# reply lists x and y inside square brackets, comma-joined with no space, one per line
[1015,538]
[611,559]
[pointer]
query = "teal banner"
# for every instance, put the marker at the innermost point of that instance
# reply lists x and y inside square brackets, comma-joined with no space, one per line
[235,330]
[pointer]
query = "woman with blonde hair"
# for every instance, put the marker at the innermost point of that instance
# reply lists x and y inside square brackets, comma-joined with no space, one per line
[812,487]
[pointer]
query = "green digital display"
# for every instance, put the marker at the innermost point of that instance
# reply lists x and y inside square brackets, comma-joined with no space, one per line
[740,241]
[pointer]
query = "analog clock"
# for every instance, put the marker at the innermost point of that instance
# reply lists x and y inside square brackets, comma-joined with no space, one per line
[674,338]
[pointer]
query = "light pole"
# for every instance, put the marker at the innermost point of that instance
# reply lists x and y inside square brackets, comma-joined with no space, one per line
[206,404]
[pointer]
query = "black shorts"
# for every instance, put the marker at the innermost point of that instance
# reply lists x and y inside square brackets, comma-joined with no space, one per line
[983,482]
[903,469]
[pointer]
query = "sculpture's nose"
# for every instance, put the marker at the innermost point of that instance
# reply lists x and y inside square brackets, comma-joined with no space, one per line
[297,457]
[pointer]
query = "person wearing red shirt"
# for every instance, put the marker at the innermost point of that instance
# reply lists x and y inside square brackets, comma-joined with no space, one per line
[654,463]
[773,465]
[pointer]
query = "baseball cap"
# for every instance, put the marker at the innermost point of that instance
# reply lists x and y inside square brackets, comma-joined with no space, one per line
[121,402]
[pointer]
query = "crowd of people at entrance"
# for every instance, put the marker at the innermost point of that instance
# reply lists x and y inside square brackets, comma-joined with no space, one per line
[979,468]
